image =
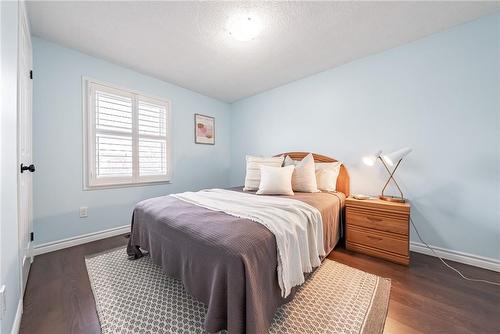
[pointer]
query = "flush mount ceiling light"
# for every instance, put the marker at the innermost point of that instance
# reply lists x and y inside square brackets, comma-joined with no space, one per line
[244,27]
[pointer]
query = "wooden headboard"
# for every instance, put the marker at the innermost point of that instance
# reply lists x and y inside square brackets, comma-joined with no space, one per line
[343,184]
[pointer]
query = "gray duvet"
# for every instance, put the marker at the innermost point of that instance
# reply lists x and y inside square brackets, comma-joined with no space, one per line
[229,263]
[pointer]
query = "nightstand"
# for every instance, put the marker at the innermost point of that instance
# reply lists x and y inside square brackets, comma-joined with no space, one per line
[378,228]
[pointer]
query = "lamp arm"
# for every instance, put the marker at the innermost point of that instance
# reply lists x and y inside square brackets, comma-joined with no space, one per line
[389,172]
[391,176]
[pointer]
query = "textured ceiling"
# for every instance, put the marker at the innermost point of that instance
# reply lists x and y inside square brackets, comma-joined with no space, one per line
[186,43]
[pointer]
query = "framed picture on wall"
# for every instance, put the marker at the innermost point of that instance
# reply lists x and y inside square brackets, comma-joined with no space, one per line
[204,129]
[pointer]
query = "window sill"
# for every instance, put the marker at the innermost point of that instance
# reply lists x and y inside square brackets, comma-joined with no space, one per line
[125,185]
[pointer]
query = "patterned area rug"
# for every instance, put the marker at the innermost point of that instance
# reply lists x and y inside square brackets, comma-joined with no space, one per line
[136,297]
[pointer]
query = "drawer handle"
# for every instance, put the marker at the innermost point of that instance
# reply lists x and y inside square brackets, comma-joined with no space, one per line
[374,219]
[375,238]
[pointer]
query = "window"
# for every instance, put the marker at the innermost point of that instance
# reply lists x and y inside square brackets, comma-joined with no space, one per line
[127,137]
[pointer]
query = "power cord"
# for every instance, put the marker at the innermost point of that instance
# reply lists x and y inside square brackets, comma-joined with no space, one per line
[446,264]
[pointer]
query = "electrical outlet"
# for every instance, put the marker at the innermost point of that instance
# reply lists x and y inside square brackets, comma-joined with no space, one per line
[3,302]
[84,212]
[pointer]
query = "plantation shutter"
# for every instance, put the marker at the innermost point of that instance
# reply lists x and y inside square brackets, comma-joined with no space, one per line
[152,138]
[127,137]
[113,120]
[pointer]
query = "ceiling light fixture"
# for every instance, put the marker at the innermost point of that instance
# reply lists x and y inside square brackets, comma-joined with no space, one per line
[244,27]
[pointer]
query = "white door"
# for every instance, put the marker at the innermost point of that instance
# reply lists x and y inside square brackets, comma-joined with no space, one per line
[26,169]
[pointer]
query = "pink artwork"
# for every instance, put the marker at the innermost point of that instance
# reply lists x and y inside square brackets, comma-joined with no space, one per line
[204,130]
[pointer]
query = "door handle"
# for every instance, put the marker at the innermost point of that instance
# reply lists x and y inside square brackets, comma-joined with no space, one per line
[30,168]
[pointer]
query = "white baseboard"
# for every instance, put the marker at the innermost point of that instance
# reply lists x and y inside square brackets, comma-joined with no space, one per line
[470,259]
[78,240]
[17,320]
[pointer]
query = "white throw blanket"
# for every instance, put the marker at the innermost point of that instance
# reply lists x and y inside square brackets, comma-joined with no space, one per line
[297,226]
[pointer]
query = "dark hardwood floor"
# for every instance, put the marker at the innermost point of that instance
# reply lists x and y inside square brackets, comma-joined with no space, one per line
[425,297]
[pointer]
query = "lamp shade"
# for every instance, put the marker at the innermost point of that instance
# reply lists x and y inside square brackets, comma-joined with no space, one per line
[392,158]
[369,160]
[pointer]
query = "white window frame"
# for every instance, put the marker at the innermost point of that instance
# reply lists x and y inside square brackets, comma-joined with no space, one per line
[89,134]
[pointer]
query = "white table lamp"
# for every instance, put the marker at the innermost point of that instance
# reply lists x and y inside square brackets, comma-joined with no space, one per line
[391,159]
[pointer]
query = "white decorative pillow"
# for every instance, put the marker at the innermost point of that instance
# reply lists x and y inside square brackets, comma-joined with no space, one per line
[275,180]
[327,174]
[252,178]
[303,178]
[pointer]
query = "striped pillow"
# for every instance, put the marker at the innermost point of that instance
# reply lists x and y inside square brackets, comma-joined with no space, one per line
[252,178]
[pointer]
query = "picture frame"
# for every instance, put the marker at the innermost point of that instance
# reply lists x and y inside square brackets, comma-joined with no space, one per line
[204,129]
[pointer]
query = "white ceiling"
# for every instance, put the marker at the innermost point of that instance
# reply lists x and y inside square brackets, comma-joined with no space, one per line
[186,43]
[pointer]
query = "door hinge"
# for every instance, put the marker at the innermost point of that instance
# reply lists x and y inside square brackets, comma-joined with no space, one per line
[32,236]
[31,74]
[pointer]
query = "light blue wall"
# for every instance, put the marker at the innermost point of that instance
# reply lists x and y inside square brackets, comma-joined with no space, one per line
[9,245]
[439,95]
[57,144]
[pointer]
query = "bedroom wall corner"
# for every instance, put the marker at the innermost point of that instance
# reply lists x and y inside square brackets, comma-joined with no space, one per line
[439,95]
[57,144]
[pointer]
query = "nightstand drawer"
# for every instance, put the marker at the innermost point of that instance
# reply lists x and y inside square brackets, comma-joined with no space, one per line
[372,220]
[393,244]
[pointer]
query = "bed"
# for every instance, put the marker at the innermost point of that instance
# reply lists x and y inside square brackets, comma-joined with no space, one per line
[227,262]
